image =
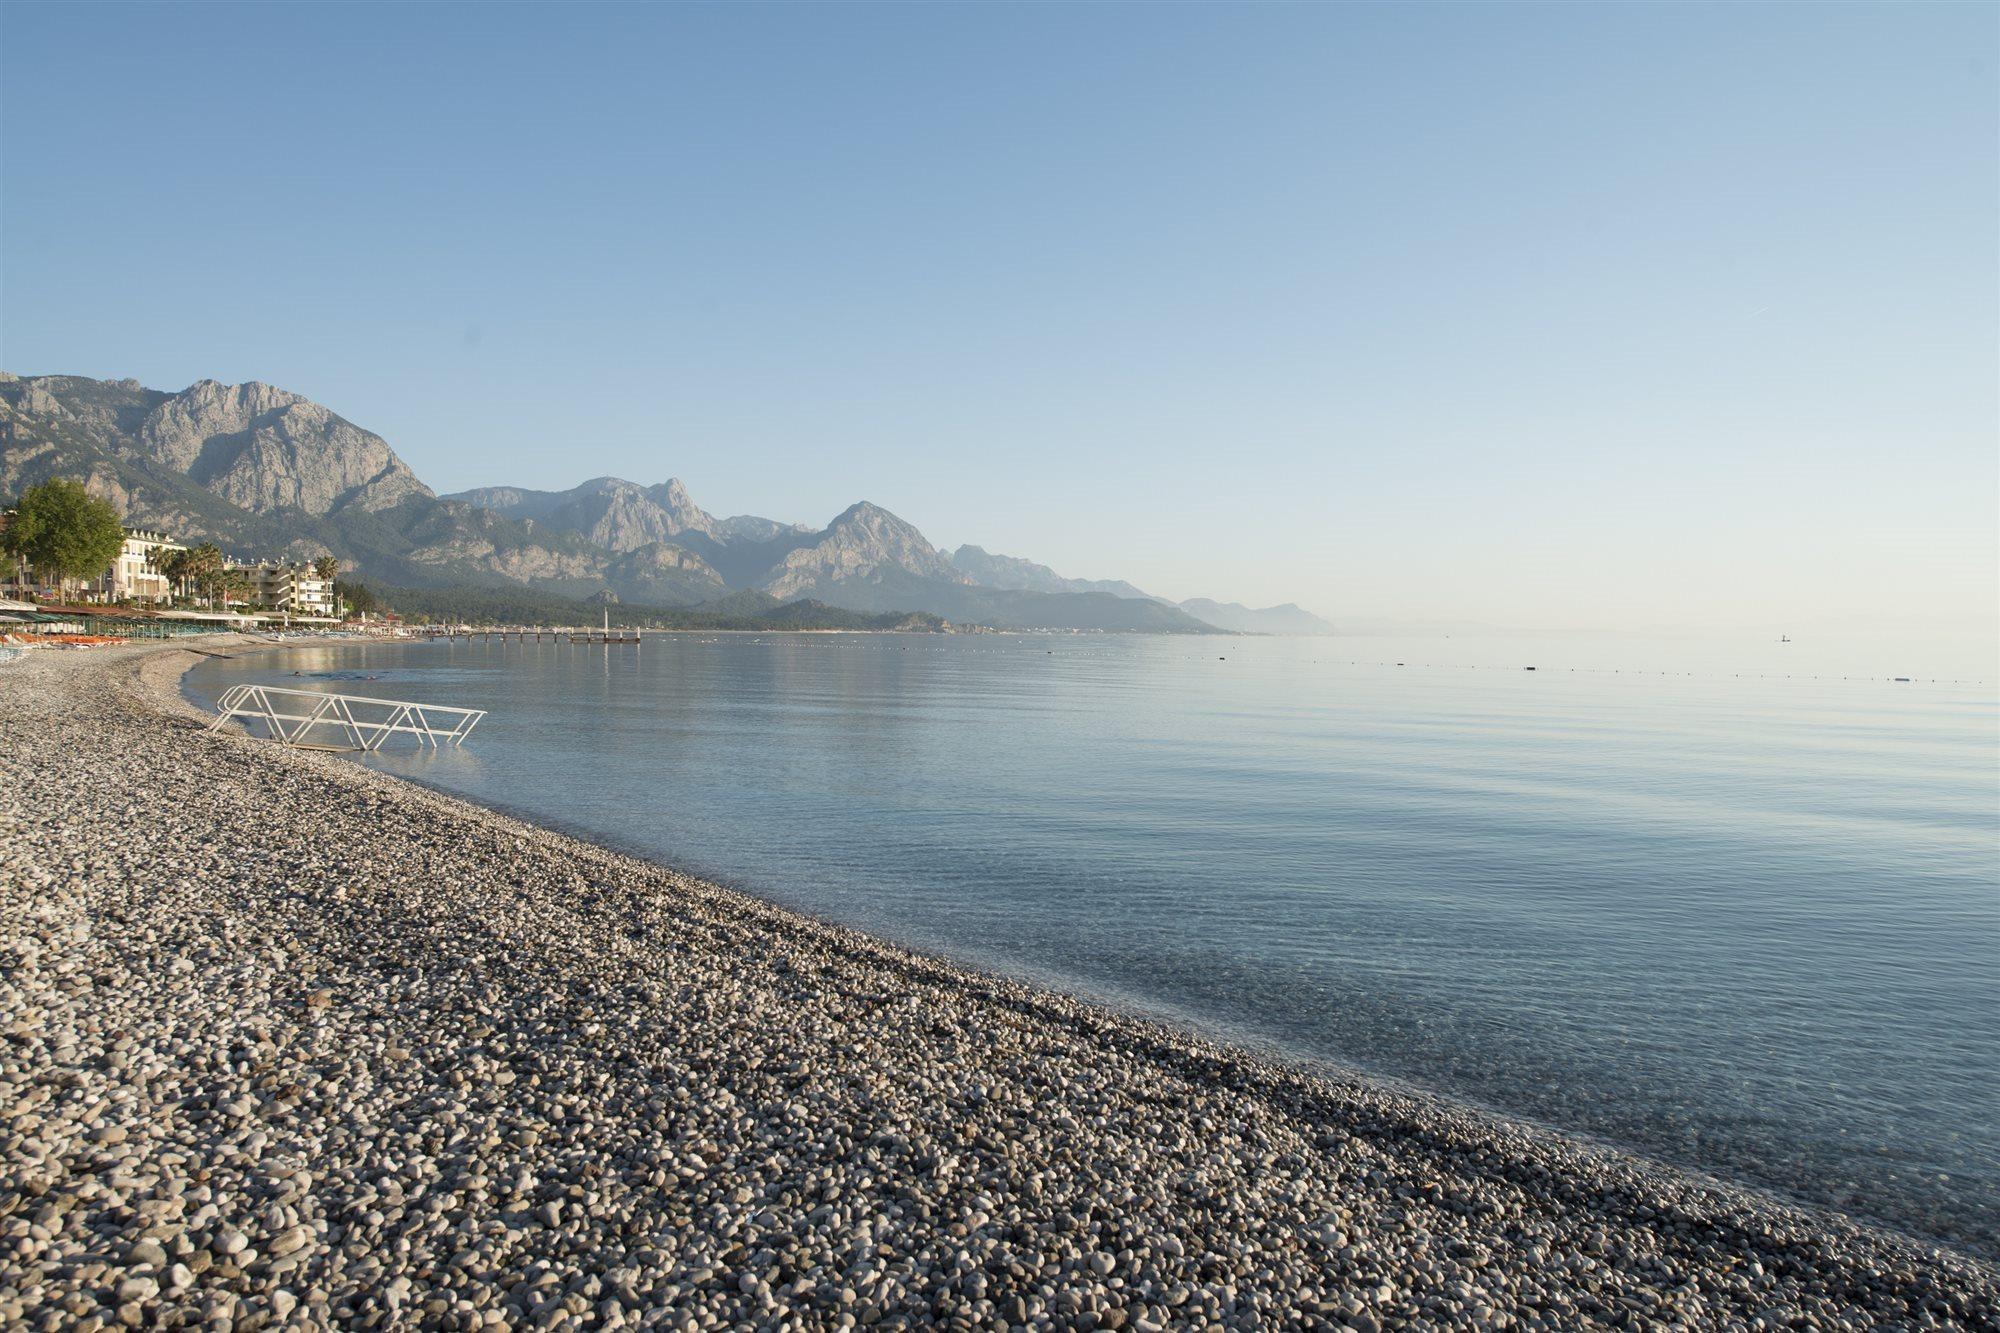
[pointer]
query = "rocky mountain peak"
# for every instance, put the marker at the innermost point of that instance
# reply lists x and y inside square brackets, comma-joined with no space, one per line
[681,510]
[258,447]
[611,512]
[866,542]
[37,399]
[265,448]
[867,516]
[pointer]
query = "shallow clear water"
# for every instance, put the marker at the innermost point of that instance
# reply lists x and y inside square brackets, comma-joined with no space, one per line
[1744,916]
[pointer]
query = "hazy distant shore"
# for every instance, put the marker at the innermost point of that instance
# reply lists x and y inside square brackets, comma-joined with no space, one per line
[291,1042]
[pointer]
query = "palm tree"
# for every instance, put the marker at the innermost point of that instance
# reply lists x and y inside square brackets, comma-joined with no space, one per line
[326,567]
[202,565]
[233,582]
[173,562]
[160,560]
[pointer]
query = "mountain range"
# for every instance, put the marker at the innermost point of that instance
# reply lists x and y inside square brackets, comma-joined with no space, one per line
[264,472]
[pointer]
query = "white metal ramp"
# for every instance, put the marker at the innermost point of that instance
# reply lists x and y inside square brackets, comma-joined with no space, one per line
[363,723]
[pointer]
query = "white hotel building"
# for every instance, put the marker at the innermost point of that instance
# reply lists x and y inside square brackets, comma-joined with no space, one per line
[134,575]
[284,588]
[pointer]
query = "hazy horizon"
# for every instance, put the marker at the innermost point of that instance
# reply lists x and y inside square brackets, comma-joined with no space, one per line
[1535,317]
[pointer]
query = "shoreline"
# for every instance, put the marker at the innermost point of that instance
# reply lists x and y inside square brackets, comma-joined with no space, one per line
[1926,1222]
[1013,1151]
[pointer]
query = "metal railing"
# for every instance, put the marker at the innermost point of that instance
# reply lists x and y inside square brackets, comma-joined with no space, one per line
[366,730]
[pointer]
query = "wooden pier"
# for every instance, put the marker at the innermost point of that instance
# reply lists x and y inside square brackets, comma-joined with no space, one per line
[518,633]
[536,633]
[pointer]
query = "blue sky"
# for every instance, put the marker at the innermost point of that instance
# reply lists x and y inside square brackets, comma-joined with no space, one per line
[1543,315]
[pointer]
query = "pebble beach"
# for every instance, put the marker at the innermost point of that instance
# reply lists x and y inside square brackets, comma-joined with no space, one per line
[288,1043]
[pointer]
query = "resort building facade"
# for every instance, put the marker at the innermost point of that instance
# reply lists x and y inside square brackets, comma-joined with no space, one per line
[285,588]
[136,576]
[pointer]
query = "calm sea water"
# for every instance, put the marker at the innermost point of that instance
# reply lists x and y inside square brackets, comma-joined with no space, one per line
[1710,901]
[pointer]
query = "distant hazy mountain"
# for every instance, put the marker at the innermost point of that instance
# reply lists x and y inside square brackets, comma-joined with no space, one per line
[871,560]
[1238,618]
[1077,610]
[264,472]
[1007,571]
[1011,571]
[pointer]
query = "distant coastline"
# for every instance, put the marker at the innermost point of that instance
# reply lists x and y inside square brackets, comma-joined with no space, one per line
[751,611]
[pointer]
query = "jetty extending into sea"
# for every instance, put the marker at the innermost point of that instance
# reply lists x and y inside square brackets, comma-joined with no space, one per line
[534,633]
[290,1043]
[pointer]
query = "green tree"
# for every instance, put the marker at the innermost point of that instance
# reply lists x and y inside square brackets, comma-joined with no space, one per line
[11,549]
[65,532]
[356,597]
[326,567]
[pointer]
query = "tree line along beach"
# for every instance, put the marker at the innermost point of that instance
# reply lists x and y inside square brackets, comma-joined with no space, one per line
[451,1070]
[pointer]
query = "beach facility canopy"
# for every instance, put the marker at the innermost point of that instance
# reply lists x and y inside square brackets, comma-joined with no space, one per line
[229,618]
